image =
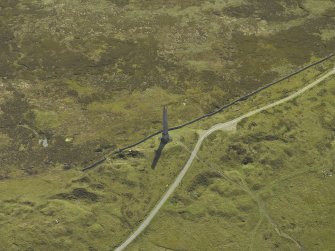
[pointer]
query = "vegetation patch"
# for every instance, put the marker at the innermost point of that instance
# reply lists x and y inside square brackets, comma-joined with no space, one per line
[73,88]
[77,193]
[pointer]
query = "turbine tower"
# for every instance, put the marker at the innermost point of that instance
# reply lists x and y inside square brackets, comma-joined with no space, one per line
[165,134]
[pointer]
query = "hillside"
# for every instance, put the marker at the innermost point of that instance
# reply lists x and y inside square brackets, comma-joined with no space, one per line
[81,78]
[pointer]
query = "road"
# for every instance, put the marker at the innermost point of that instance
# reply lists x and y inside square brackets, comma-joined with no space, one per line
[221,126]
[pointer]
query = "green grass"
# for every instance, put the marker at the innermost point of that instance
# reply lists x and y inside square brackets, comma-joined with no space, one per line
[291,147]
[5,140]
[47,119]
[65,75]
[73,210]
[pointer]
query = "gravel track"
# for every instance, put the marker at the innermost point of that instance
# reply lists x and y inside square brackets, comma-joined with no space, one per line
[221,126]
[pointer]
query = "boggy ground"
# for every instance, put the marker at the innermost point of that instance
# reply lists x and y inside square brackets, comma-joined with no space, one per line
[90,75]
[99,72]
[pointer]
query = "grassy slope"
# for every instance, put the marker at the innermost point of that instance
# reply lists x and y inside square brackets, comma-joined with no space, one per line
[76,211]
[86,70]
[282,159]
[105,85]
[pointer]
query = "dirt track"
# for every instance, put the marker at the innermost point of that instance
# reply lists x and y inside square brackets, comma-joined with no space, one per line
[221,126]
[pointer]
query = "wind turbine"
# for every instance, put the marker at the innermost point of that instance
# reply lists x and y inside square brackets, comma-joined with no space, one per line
[164,139]
[165,133]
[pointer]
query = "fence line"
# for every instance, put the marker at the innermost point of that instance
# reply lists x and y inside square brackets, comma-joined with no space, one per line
[243,98]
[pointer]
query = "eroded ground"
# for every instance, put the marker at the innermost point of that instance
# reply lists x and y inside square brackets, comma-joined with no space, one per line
[78,77]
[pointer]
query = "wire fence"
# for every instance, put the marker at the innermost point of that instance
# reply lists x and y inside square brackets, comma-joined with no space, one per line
[242,98]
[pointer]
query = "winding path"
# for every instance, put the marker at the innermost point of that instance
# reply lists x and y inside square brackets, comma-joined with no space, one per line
[221,126]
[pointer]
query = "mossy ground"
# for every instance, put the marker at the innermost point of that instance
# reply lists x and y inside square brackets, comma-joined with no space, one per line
[90,75]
